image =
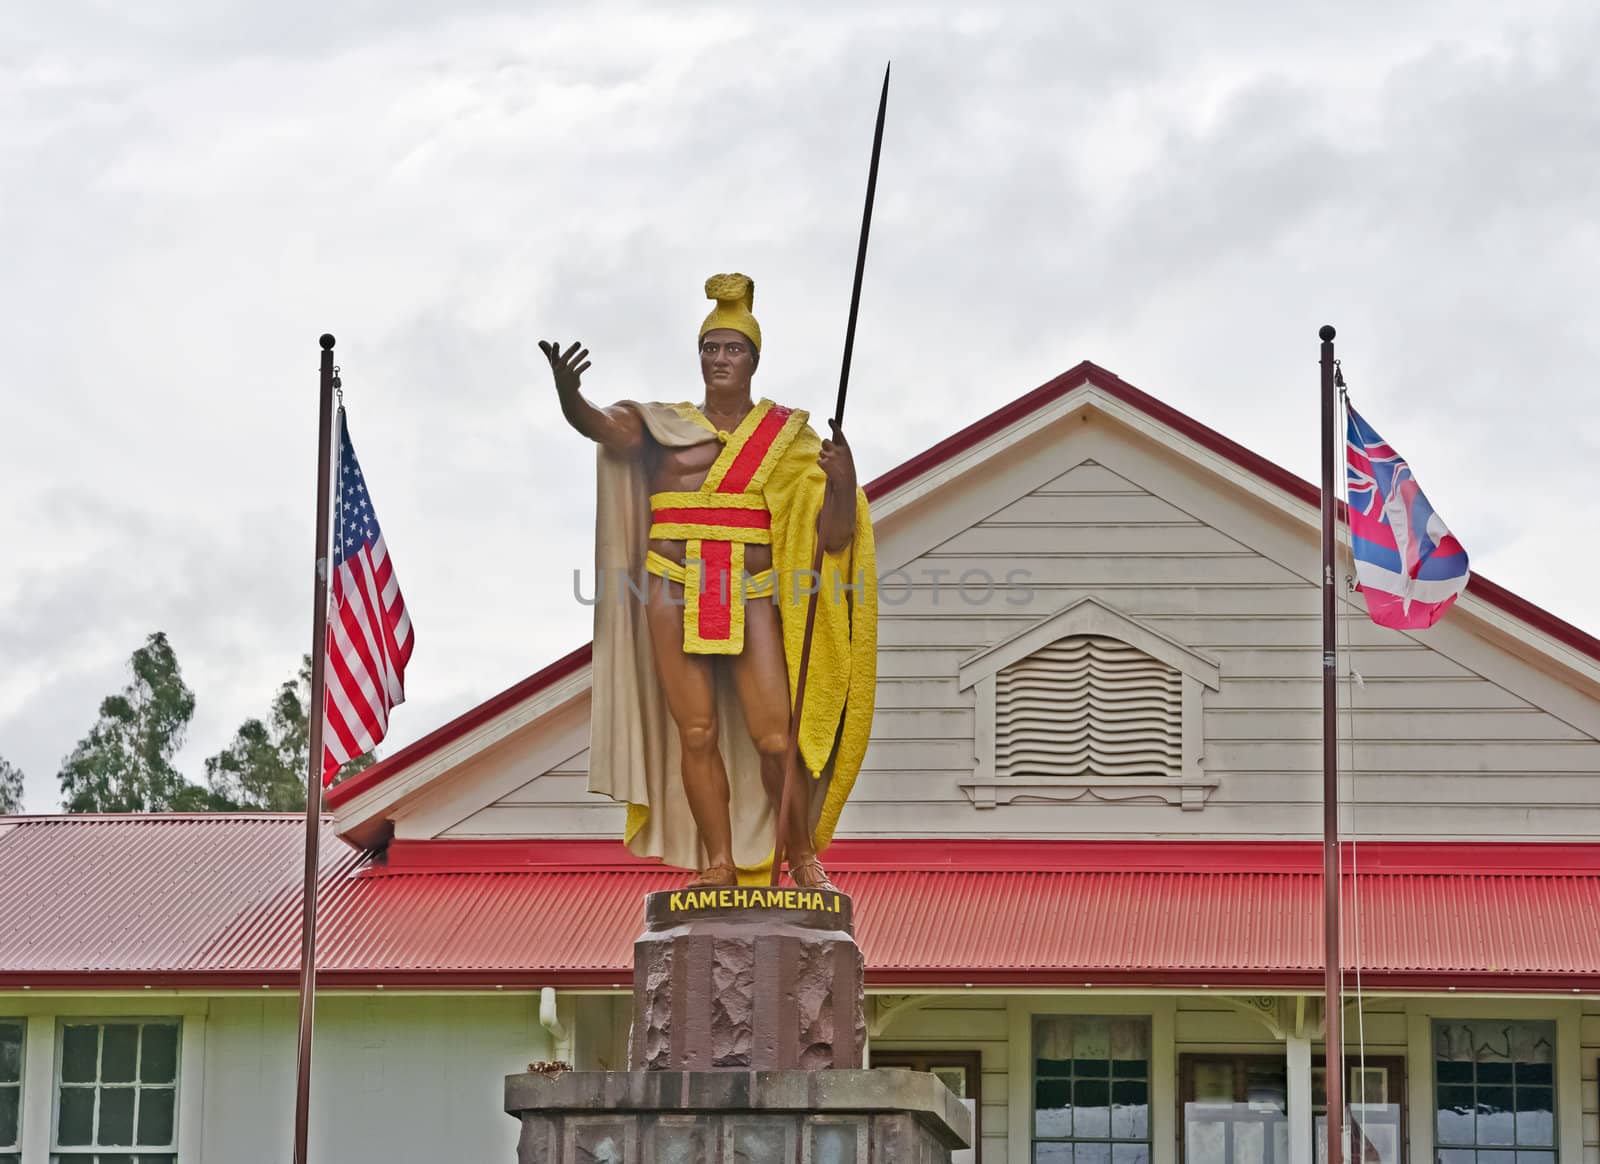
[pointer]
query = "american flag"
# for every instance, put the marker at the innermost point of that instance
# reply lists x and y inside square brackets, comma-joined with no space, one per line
[369,631]
[1409,565]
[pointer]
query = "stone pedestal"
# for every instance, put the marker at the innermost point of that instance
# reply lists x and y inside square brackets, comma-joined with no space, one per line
[882,1116]
[747,980]
[748,1029]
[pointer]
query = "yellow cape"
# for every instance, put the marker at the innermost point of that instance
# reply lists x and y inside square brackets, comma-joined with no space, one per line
[634,753]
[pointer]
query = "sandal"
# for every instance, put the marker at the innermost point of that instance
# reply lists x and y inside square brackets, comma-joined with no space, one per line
[715,877]
[810,874]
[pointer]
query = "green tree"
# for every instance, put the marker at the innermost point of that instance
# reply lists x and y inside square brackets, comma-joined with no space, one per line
[10,787]
[264,767]
[124,764]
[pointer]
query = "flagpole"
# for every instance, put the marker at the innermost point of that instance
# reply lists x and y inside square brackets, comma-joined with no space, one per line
[792,757]
[319,656]
[1333,1033]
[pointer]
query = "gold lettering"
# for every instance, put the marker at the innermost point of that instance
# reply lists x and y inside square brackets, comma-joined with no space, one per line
[741,898]
[725,898]
[791,899]
[675,902]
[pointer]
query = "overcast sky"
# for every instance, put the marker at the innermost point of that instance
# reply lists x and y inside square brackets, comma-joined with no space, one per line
[191,193]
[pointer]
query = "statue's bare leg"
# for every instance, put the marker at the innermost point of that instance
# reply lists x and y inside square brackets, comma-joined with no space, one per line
[761,677]
[688,683]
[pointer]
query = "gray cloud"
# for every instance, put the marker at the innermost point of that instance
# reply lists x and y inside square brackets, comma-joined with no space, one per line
[1181,193]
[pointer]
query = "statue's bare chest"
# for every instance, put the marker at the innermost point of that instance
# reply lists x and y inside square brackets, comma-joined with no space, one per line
[682,469]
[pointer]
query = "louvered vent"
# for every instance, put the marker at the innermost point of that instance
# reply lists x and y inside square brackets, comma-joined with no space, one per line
[1088,706]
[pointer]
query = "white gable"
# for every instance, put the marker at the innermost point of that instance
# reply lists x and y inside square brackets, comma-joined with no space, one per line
[1090,517]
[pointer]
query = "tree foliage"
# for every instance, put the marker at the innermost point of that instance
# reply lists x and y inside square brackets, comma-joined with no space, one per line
[264,767]
[124,764]
[10,787]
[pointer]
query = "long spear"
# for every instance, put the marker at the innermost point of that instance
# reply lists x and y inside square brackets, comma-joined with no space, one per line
[791,762]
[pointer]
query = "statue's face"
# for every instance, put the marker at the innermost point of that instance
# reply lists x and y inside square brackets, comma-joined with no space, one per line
[727,359]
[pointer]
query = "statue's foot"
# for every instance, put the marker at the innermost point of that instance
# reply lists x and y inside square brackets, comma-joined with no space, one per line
[809,874]
[715,877]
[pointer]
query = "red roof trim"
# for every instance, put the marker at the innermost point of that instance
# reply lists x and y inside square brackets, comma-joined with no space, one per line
[924,462]
[566,978]
[1506,859]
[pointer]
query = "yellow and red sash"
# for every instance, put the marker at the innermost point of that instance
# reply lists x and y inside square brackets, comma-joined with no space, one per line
[717,521]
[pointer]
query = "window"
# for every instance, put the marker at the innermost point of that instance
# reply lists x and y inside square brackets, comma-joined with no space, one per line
[1374,1096]
[1091,1090]
[1236,1110]
[1494,1092]
[960,1071]
[10,1091]
[117,1089]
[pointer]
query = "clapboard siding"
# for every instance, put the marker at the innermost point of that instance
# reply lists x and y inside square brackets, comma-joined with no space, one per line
[1463,694]
[598,818]
[1156,540]
[1445,734]
[1365,725]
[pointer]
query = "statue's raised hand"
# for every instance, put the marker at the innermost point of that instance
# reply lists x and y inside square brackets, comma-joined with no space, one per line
[567,367]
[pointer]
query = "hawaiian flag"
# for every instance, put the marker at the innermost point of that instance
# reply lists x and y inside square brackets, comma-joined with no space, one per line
[1408,564]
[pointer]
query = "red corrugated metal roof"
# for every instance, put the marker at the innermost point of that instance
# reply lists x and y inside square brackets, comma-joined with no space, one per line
[213,901]
[1084,374]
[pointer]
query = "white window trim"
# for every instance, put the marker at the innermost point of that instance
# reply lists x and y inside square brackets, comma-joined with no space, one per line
[1162,1013]
[44,1017]
[104,1020]
[1090,616]
[22,1078]
[1568,1017]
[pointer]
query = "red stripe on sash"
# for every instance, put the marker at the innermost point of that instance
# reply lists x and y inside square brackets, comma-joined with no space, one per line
[731,518]
[744,466]
[716,608]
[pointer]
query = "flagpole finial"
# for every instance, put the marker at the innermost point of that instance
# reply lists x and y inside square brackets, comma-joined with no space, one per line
[1327,333]
[327,341]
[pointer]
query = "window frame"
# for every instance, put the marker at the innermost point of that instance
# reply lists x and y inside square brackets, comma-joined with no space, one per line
[14,1151]
[87,1152]
[1396,1065]
[1240,1061]
[1554,1150]
[1151,1066]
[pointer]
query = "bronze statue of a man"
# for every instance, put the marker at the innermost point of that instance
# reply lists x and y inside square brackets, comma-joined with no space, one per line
[706,526]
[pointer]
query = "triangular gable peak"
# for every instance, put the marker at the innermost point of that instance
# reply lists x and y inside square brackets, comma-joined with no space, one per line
[950,481]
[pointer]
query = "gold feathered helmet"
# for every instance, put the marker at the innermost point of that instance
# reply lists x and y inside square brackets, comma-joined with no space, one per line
[735,294]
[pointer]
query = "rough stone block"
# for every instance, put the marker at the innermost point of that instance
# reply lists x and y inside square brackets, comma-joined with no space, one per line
[537,1144]
[882,1116]
[747,979]
[602,1140]
[839,1141]
[765,1140]
[674,1139]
